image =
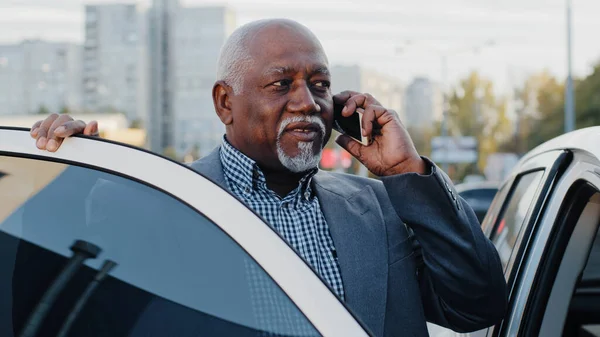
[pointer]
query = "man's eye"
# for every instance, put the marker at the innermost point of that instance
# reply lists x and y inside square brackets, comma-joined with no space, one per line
[281,83]
[322,84]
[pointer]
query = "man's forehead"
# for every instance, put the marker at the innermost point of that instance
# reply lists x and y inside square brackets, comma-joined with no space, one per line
[313,69]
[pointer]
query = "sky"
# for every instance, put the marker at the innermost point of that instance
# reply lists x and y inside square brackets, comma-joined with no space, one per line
[504,40]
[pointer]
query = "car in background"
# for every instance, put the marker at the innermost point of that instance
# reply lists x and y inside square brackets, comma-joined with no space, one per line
[544,222]
[102,239]
[478,195]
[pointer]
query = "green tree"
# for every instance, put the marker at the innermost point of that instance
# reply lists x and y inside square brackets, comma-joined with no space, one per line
[544,108]
[476,112]
[587,100]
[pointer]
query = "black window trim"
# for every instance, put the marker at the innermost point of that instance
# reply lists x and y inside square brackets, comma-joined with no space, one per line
[559,238]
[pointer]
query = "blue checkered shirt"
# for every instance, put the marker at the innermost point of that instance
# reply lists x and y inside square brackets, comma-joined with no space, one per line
[297,216]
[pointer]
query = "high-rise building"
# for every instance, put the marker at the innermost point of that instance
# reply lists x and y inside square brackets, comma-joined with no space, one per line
[424,103]
[199,34]
[114,64]
[184,47]
[39,76]
[161,119]
[386,89]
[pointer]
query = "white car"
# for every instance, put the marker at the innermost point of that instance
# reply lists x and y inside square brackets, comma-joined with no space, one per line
[102,239]
[544,222]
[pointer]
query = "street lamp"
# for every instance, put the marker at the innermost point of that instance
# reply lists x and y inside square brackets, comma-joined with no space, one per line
[569,95]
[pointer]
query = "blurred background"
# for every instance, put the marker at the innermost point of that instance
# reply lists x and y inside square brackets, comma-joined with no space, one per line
[478,83]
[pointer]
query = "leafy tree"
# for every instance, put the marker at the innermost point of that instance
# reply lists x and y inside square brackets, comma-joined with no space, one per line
[476,112]
[587,100]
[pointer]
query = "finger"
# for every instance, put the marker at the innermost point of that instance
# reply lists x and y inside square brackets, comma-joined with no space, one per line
[91,129]
[53,144]
[60,121]
[358,101]
[384,116]
[373,116]
[353,147]
[55,139]
[396,116]
[368,116]
[343,96]
[42,133]
[70,128]
[349,109]
[34,129]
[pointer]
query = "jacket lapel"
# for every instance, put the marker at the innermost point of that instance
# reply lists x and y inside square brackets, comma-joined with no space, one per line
[211,168]
[356,225]
[357,228]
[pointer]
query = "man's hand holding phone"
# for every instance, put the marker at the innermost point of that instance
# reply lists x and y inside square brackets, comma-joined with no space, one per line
[390,150]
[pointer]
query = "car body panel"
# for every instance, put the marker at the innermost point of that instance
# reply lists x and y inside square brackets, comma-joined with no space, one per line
[583,149]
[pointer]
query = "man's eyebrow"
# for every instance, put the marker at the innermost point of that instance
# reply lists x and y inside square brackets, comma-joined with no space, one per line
[321,70]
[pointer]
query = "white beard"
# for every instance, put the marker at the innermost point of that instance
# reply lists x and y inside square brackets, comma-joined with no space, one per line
[306,159]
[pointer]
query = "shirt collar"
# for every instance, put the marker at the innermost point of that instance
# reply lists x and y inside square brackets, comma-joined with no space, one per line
[241,169]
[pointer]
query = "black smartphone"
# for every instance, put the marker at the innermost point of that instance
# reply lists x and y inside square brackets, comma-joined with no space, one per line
[350,126]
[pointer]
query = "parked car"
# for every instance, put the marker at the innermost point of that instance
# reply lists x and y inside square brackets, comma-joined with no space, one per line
[478,195]
[101,239]
[544,222]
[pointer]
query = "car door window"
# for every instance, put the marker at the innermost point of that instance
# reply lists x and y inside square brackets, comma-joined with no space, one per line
[584,309]
[514,211]
[177,273]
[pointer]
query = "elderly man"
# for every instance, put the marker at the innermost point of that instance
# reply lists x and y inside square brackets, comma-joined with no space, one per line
[399,251]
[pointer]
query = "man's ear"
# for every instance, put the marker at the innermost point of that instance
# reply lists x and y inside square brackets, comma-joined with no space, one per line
[222,100]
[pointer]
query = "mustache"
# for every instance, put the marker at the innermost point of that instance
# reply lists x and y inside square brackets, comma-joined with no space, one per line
[307,119]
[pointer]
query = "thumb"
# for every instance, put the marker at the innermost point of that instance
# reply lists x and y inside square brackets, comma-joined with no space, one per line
[350,145]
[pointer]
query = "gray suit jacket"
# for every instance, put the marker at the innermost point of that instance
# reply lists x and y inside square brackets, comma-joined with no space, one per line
[410,250]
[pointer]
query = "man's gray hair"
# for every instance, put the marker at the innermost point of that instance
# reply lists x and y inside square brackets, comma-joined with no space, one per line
[235,57]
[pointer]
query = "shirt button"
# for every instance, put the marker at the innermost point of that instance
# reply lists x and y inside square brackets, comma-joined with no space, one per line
[247,190]
[307,195]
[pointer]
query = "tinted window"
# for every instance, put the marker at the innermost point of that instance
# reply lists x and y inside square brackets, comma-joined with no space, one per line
[177,275]
[510,224]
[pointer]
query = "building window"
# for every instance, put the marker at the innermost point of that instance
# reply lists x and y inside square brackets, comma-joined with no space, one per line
[91,15]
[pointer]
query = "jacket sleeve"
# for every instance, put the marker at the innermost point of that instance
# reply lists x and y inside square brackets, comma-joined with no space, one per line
[460,275]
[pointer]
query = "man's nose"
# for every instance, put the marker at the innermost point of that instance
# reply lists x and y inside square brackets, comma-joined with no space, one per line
[302,101]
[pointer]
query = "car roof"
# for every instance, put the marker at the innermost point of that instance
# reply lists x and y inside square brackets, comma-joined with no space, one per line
[587,139]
